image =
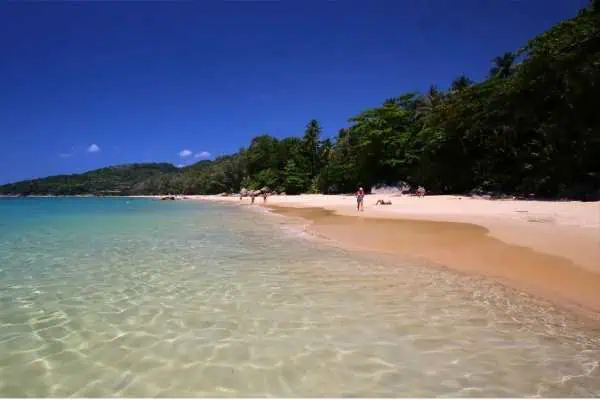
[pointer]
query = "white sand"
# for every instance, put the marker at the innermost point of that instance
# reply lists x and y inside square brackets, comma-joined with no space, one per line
[447,208]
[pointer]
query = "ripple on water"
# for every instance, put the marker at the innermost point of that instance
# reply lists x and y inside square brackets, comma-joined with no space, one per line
[204,300]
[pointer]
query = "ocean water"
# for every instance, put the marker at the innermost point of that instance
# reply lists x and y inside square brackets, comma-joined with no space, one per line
[135,297]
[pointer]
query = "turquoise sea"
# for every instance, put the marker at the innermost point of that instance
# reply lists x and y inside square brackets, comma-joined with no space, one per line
[136,297]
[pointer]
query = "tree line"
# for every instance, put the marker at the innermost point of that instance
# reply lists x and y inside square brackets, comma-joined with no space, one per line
[532,127]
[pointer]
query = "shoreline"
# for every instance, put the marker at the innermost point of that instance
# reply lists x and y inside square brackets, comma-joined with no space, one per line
[550,250]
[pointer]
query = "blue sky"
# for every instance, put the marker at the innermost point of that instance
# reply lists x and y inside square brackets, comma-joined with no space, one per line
[84,85]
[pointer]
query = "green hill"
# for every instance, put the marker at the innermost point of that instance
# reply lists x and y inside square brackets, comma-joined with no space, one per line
[117,179]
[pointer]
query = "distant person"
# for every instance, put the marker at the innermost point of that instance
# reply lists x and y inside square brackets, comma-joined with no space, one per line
[421,191]
[265,195]
[360,197]
[252,197]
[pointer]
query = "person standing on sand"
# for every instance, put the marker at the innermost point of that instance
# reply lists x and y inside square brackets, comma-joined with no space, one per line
[360,196]
[265,195]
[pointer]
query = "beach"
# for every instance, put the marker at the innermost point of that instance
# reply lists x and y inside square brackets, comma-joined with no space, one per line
[549,249]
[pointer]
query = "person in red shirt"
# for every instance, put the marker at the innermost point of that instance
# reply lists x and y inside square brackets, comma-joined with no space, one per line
[360,197]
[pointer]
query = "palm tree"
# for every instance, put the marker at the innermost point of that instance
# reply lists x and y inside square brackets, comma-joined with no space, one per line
[503,65]
[461,83]
[311,144]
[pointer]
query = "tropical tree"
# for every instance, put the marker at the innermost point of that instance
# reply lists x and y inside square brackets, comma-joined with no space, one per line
[503,65]
[311,146]
[461,83]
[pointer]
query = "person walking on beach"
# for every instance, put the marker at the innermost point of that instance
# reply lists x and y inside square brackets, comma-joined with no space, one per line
[265,195]
[360,196]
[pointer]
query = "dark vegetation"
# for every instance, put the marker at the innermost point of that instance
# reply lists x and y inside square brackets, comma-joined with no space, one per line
[118,179]
[532,127]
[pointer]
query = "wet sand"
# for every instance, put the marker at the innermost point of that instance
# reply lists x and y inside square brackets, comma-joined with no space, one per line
[464,247]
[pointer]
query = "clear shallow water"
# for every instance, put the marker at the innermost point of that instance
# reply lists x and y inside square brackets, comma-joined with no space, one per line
[123,297]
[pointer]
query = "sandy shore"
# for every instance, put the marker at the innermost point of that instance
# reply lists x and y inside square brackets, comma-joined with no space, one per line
[550,249]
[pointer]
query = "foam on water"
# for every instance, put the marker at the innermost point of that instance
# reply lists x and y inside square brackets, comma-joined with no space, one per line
[100,297]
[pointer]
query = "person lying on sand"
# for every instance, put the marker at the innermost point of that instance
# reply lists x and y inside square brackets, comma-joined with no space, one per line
[383,203]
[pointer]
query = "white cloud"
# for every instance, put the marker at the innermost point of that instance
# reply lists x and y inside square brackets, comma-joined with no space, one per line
[94,148]
[185,153]
[65,155]
[203,155]
[180,165]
